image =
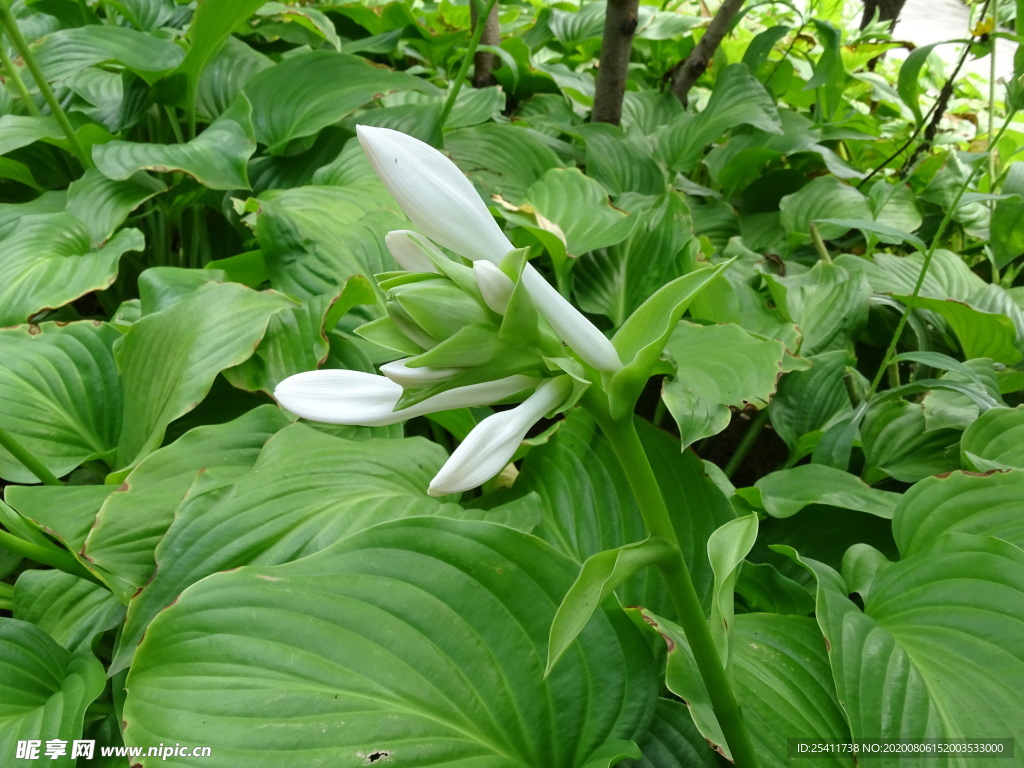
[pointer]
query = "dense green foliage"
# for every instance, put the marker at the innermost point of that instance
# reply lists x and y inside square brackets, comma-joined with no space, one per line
[836,425]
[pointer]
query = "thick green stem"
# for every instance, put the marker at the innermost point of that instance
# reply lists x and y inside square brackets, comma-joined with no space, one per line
[474,43]
[631,455]
[747,442]
[19,84]
[52,556]
[819,245]
[30,462]
[10,25]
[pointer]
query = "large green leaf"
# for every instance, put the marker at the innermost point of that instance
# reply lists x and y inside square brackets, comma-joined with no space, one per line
[809,400]
[169,359]
[315,238]
[961,502]
[295,341]
[828,304]
[673,741]
[559,196]
[212,24]
[589,507]
[780,673]
[934,653]
[1008,219]
[422,641]
[502,158]
[18,131]
[132,521]
[49,260]
[622,161]
[309,91]
[225,75]
[69,609]
[306,490]
[217,158]
[738,98]
[614,281]
[66,512]
[787,491]
[823,198]
[995,440]
[68,51]
[61,395]
[898,444]
[718,367]
[948,275]
[103,204]
[981,334]
[45,688]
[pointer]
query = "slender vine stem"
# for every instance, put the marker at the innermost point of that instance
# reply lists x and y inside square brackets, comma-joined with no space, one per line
[474,43]
[17,39]
[630,452]
[25,457]
[746,442]
[904,318]
[19,84]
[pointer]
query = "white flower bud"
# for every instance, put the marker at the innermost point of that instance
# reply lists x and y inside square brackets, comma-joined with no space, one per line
[407,253]
[434,194]
[363,399]
[405,376]
[495,286]
[493,442]
[444,206]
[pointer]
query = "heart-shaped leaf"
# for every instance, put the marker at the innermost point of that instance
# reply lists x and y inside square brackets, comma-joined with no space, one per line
[423,641]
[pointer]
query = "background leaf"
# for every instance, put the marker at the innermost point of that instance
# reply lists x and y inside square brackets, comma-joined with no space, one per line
[168,360]
[49,261]
[447,683]
[132,521]
[900,664]
[46,688]
[61,395]
[311,90]
[718,367]
[217,158]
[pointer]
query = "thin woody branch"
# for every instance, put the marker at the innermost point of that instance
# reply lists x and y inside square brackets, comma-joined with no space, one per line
[697,62]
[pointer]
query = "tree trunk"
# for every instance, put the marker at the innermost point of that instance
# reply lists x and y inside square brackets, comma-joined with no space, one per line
[616,46]
[698,60]
[888,10]
[485,62]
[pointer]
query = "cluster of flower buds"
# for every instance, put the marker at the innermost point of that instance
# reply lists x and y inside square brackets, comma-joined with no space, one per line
[492,332]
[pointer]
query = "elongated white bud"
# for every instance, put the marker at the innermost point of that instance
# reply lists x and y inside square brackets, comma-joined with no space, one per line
[409,256]
[434,194]
[582,336]
[444,206]
[405,376]
[363,399]
[493,442]
[495,286]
